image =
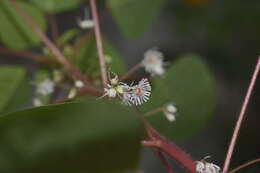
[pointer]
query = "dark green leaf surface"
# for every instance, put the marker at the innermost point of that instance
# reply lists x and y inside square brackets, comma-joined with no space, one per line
[94,136]
[134,16]
[189,84]
[13,88]
[14,31]
[53,6]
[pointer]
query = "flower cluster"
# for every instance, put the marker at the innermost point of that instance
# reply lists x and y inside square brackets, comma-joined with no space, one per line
[43,90]
[153,62]
[129,94]
[45,87]
[206,167]
[170,112]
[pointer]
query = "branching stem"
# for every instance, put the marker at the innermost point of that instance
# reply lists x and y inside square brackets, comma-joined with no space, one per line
[101,55]
[240,118]
[244,165]
[71,69]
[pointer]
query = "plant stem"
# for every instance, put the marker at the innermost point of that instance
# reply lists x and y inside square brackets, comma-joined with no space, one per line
[164,161]
[245,165]
[157,141]
[159,109]
[54,28]
[99,42]
[131,72]
[71,69]
[240,118]
[26,54]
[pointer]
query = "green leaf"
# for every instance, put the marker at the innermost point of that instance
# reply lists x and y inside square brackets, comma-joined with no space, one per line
[14,88]
[14,31]
[94,136]
[134,16]
[189,84]
[54,6]
[67,36]
[87,58]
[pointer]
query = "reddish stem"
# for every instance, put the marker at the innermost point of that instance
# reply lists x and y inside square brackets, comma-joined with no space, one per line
[99,42]
[240,118]
[71,69]
[164,161]
[245,165]
[26,54]
[131,72]
[54,28]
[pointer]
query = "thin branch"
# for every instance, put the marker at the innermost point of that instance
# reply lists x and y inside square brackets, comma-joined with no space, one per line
[157,141]
[54,28]
[99,42]
[134,69]
[164,161]
[245,165]
[25,54]
[173,151]
[240,118]
[152,112]
[71,69]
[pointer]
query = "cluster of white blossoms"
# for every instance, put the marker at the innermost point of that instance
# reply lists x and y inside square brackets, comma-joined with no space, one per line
[170,112]
[73,91]
[43,89]
[206,167]
[153,62]
[129,94]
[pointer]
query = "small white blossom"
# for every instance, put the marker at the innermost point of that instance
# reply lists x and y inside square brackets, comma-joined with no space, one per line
[153,62]
[72,93]
[141,92]
[79,84]
[130,95]
[170,112]
[206,167]
[110,92]
[37,102]
[45,87]
[85,24]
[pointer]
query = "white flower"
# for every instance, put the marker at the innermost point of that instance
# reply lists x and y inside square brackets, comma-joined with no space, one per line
[130,95]
[205,167]
[72,93]
[153,62]
[79,84]
[85,24]
[45,87]
[170,112]
[37,102]
[141,92]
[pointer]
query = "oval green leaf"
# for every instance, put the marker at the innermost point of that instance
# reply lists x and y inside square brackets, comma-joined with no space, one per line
[188,84]
[14,88]
[134,16]
[14,31]
[54,6]
[94,136]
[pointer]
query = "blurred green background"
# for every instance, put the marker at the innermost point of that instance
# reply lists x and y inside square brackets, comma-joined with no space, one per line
[212,45]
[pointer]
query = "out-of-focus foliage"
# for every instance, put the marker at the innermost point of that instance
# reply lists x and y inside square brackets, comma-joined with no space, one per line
[135,16]
[53,6]
[90,136]
[14,88]
[87,56]
[14,32]
[190,85]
